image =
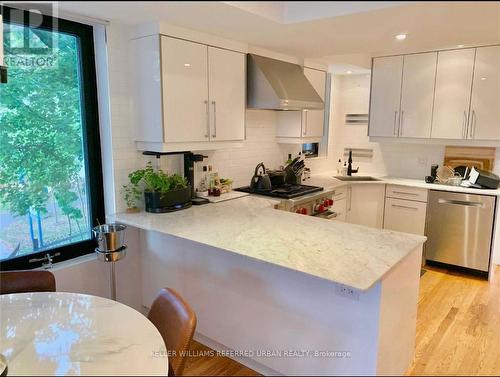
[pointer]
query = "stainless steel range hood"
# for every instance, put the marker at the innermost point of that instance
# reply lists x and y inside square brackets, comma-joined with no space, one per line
[278,85]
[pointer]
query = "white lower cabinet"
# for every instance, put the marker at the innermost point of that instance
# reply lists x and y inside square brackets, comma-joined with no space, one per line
[405,216]
[340,203]
[365,205]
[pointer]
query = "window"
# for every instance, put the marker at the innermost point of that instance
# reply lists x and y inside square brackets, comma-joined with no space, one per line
[50,168]
[310,150]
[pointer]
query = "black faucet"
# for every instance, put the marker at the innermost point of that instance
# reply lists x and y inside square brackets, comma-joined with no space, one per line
[350,170]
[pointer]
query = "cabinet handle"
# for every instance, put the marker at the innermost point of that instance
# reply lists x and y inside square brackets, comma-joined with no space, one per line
[461,203]
[464,125]
[305,123]
[208,118]
[473,125]
[401,121]
[405,193]
[350,199]
[394,128]
[215,120]
[405,207]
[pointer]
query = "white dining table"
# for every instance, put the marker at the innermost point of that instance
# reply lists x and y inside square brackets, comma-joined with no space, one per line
[75,334]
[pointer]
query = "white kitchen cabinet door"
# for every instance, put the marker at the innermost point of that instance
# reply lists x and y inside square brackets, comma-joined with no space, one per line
[405,216]
[484,122]
[365,205]
[452,94]
[315,119]
[185,90]
[417,95]
[340,208]
[385,96]
[226,81]
[290,124]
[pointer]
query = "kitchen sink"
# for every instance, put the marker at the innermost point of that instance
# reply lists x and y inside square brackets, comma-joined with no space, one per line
[358,178]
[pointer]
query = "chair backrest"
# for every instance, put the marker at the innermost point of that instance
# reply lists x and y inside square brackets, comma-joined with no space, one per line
[26,281]
[176,322]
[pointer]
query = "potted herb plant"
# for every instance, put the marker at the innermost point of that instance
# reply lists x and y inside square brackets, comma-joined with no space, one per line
[132,194]
[162,192]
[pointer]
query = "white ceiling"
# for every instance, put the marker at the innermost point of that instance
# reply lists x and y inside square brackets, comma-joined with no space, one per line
[318,29]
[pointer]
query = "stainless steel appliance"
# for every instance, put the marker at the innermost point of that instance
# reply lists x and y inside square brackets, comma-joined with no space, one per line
[285,191]
[459,229]
[317,204]
[277,85]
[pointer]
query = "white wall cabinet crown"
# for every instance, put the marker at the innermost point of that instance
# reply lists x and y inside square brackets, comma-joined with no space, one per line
[306,125]
[188,96]
[452,94]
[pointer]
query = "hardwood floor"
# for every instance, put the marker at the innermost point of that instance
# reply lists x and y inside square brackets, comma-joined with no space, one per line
[458,330]
[200,365]
[458,325]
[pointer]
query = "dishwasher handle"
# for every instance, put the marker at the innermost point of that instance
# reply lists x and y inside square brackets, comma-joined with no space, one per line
[461,203]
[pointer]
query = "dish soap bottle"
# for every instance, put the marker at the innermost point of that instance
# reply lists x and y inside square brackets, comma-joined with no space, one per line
[339,167]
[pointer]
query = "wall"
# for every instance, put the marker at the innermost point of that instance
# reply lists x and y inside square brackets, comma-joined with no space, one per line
[260,146]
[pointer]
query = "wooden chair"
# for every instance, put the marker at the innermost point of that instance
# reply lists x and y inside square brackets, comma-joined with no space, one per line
[176,322]
[26,281]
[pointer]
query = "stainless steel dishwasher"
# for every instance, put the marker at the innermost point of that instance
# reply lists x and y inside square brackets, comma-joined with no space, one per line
[459,229]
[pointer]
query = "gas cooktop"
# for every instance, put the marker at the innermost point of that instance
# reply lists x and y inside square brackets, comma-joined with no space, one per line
[286,191]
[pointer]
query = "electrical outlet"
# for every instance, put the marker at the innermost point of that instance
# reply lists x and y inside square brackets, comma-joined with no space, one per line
[344,291]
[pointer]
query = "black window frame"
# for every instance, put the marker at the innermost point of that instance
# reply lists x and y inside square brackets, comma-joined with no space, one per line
[90,135]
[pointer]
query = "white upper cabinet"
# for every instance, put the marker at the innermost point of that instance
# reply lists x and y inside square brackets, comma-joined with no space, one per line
[452,93]
[315,119]
[188,96]
[306,125]
[185,90]
[484,120]
[417,95]
[226,78]
[385,96]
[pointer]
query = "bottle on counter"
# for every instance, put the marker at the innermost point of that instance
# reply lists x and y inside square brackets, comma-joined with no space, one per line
[289,161]
[339,167]
[204,180]
[344,169]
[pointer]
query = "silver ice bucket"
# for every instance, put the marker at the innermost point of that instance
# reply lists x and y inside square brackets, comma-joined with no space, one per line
[110,237]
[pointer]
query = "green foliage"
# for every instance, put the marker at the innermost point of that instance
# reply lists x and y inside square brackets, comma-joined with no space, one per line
[41,151]
[132,194]
[156,181]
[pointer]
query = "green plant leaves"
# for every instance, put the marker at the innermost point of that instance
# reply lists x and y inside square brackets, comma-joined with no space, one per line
[156,181]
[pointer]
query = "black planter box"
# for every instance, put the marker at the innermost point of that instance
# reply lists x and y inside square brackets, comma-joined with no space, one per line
[170,201]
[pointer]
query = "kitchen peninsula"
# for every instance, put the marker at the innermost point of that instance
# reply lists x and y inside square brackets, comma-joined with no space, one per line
[339,298]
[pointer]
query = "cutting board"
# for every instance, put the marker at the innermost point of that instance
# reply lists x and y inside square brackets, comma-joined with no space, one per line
[223,197]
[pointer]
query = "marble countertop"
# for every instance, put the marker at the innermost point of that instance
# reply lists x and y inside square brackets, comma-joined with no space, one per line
[328,181]
[347,254]
[58,333]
